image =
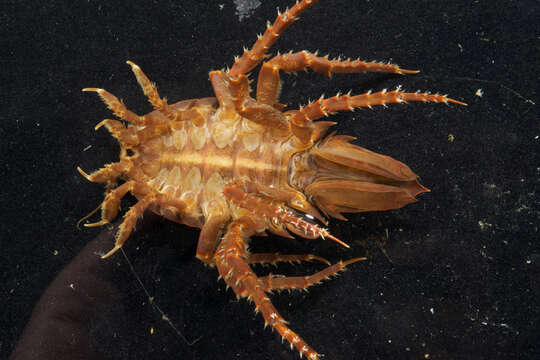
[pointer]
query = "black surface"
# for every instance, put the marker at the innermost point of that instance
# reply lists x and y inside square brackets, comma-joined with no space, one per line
[463,281]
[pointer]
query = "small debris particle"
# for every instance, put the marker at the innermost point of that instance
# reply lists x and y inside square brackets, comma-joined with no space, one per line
[55,252]
[72,286]
[426,356]
[244,8]
[460,47]
[451,137]
[479,93]
[432,310]
[151,331]
[87,148]
[483,225]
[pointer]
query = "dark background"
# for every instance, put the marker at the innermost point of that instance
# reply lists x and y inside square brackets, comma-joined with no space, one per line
[462,271]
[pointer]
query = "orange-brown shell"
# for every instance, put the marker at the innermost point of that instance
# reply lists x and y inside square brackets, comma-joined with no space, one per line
[237,165]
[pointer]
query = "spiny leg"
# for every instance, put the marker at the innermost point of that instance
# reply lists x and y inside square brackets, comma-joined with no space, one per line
[126,136]
[291,197]
[268,83]
[150,90]
[262,114]
[109,172]
[251,58]
[274,258]
[324,107]
[128,224]
[302,119]
[233,97]
[273,282]
[233,268]
[136,211]
[116,106]
[277,213]
[111,204]
[221,85]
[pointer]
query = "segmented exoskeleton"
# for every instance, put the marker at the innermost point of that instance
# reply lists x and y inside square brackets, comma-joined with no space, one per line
[236,166]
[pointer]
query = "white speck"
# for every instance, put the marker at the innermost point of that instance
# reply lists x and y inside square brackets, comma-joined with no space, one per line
[479,93]
[431,310]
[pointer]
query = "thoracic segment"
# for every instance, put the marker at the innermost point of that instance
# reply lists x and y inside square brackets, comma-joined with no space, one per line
[224,164]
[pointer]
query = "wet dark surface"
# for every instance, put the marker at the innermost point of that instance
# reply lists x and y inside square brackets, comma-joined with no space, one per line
[460,278]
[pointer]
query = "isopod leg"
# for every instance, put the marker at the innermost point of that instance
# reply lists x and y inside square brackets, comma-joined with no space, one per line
[273,282]
[324,107]
[251,58]
[116,106]
[126,136]
[109,172]
[268,83]
[278,214]
[209,237]
[233,268]
[128,224]
[233,97]
[111,204]
[151,92]
[290,197]
[273,258]
[137,211]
